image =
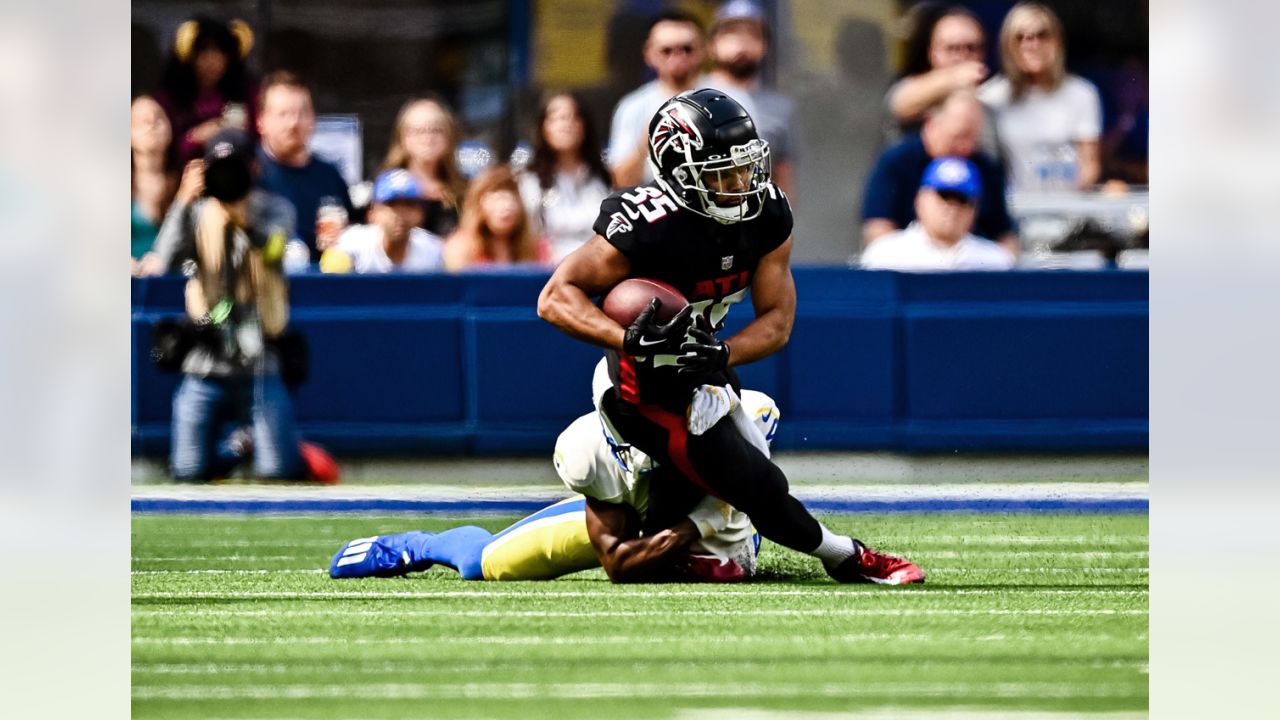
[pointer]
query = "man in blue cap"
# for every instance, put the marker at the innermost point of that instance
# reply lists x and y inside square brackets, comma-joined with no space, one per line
[954,128]
[393,241]
[940,238]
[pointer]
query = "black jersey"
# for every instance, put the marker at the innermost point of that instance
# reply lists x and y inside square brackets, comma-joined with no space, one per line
[712,264]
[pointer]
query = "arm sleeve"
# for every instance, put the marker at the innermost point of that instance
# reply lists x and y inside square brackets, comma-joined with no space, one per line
[177,234]
[617,226]
[1088,123]
[777,215]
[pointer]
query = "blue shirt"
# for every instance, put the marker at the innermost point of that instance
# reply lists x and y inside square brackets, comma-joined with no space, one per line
[304,187]
[891,189]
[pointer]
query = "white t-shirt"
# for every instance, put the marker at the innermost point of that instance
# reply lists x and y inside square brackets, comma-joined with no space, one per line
[564,213]
[911,250]
[1038,133]
[630,124]
[364,244]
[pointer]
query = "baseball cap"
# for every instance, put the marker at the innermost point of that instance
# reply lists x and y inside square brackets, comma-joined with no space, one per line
[226,143]
[953,174]
[396,185]
[738,10]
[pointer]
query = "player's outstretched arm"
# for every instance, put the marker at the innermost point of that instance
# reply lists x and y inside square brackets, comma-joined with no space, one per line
[565,301]
[625,556]
[773,294]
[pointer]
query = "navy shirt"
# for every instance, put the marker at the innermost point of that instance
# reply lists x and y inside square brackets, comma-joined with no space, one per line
[304,187]
[891,189]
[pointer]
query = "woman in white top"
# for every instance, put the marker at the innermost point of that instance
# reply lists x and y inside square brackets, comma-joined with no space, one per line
[1048,121]
[566,180]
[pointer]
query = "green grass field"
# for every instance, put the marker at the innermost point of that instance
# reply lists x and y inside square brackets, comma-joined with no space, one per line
[233,617]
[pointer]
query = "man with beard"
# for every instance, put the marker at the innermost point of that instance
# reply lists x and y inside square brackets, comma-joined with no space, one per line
[739,43]
[674,50]
[286,122]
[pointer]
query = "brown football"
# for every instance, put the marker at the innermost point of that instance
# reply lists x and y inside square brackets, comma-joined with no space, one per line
[625,301]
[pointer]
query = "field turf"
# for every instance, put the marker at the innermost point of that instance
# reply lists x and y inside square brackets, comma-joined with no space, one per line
[234,617]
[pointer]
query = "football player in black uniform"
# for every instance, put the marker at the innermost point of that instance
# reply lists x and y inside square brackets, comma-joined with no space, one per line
[713,226]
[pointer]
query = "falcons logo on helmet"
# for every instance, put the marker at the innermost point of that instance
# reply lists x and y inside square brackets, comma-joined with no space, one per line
[673,132]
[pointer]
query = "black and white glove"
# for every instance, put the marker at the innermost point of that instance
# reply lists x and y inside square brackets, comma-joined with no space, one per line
[645,336]
[703,352]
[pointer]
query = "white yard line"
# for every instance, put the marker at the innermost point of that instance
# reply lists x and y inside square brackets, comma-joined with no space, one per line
[614,614]
[475,690]
[932,569]
[726,591]
[473,493]
[915,554]
[966,713]
[284,571]
[450,667]
[996,541]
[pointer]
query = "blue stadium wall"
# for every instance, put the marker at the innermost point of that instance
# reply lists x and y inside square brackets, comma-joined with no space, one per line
[449,365]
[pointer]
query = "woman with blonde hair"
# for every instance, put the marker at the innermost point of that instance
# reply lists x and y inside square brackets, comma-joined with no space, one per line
[1048,120]
[423,142]
[494,229]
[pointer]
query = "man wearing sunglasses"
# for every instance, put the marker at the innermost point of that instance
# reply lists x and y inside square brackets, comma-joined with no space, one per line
[941,237]
[674,49]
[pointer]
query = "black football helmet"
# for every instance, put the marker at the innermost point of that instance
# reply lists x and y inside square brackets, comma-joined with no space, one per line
[705,151]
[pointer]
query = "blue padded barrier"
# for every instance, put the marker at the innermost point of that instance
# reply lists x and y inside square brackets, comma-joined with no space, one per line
[439,364]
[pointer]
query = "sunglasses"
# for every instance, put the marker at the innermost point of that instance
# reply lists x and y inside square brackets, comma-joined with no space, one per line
[1041,35]
[672,50]
[951,196]
[966,48]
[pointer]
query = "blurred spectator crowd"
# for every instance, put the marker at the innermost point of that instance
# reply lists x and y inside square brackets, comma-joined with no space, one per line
[959,139]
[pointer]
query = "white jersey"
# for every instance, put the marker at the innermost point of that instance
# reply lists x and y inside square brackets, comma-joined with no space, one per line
[912,250]
[364,244]
[592,460]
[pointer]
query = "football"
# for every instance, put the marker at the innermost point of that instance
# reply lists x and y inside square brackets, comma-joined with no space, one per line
[625,301]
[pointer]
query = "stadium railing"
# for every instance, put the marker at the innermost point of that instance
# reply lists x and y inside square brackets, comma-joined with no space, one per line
[447,365]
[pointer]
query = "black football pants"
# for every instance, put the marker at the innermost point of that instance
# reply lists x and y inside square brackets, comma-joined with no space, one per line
[721,463]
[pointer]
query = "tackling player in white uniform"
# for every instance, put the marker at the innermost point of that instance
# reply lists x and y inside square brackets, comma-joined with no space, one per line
[612,523]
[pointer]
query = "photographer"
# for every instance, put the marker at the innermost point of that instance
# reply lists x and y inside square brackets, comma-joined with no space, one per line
[237,300]
[176,242]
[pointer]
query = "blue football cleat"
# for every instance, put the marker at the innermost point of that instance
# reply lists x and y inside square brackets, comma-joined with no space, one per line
[380,556]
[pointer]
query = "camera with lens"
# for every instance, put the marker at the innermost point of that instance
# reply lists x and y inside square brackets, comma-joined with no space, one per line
[228,166]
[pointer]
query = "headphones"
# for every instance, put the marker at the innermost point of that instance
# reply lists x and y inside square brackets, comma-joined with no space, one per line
[185,39]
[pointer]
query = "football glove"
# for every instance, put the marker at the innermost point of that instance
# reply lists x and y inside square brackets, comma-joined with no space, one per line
[703,352]
[645,336]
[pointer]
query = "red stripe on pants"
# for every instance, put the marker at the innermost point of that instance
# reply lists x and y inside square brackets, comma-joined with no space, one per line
[627,387]
[677,442]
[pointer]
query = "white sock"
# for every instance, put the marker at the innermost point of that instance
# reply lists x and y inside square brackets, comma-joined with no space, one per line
[834,549]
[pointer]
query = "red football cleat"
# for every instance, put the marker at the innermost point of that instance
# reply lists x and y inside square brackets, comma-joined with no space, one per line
[321,466]
[870,566]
